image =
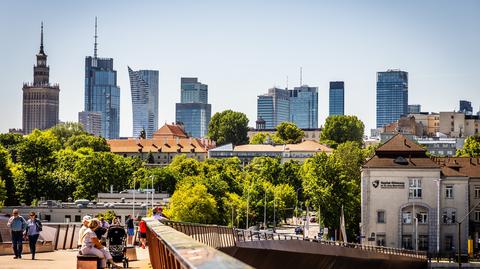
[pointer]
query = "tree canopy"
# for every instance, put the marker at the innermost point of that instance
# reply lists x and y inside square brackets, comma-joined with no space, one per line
[228,127]
[289,133]
[471,147]
[339,129]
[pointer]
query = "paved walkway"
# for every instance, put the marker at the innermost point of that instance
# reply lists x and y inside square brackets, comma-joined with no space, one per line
[62,259]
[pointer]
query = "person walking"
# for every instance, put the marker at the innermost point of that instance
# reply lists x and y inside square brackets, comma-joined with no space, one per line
[130,229]
[17,225]
[34,227]
[142,228]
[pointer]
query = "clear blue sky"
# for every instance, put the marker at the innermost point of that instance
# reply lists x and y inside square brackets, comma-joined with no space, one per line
[241,48]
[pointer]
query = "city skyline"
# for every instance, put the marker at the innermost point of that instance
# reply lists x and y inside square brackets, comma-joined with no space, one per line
[239,69]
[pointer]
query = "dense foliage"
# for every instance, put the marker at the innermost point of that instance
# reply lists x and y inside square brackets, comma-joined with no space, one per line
[286,133]
[340,129]
[228,127]
[471,147]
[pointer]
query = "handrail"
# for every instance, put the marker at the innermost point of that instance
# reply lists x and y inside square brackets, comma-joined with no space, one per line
[169,248]
[221,236]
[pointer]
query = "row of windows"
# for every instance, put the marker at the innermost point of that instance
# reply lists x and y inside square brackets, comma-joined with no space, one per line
[448,217]
[407,241]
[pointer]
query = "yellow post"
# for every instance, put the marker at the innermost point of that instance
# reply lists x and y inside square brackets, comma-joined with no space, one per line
[470,247]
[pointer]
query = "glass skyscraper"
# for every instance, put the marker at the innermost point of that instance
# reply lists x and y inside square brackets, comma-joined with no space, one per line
[304,106]
[102,93]
[392,96]
[274,107]
[144,88]
[193,111]
[466,107]
[336,103]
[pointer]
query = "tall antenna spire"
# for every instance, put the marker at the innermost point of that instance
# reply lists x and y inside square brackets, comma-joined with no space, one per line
[41,39]
[301,76]
[287,84]
[95,44]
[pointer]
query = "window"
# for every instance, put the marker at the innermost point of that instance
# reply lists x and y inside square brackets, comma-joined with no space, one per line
[449,191]
[381,240]
[68,218]
[477,191]
[449,216]
[407,242]
[380,216]
[423,242]
[477,216]
[78,218]
[448,243]
[415,188]
[48,217]
[422,217]
[407,218]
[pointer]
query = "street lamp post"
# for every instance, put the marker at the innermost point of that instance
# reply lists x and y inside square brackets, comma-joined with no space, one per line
[296,209]
[248,201]
[459,222]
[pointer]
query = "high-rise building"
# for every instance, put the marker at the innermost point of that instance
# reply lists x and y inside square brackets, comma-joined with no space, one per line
[101,91]
[91,122]
[304,106]
[392,96]
[466,107]
[414,109]
[274,107]
[194,111]
[40,98]
[336,98]
[144,88]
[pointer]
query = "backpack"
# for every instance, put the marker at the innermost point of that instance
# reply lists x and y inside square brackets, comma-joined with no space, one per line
[38,224]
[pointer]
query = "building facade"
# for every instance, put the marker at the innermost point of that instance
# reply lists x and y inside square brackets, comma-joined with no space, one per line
[413,201]
[144,89]
[457,124]
[91,122]
[304,106]
[40,98]
[310,134]
[194,111]
[466,107]
[102,93]
[392,96]
[412,109]
[274,107]
[336,98]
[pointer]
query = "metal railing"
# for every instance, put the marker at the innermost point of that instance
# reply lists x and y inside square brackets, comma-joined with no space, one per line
[221,236]
[169,248]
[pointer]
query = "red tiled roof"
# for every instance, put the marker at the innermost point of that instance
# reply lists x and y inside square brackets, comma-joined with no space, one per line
[389,162]
[400,143]
[185,145]
[459,166]
[168,130]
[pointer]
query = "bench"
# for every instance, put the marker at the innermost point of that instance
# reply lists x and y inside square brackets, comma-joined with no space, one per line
[88,261]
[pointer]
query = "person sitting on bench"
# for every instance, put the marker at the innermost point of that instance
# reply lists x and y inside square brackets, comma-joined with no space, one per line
[91,245]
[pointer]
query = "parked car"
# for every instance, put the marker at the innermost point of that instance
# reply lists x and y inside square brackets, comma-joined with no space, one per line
[298,230]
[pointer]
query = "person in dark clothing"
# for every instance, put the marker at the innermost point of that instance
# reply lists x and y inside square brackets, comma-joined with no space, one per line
[130,229]
[17,225]
[34,227]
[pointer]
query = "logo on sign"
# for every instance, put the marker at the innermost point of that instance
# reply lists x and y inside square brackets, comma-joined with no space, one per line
[375,183]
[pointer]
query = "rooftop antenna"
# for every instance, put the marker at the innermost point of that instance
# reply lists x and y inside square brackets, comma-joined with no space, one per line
[287,83]
[41,39]
[301,76]
[95,45]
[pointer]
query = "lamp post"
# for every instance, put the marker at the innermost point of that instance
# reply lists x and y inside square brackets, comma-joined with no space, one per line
[133,208]
[296,209]
[153,191]
[459,222]
[248,201]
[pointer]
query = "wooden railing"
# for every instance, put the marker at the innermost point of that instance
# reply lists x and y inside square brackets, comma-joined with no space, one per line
[169,248]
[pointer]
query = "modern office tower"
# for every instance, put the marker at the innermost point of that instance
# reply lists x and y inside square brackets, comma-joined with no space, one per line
[40,98]
[304,106]
[336,98]
[101,91]
[194,111]
[414,109]
[144,88]
[91,122]
[274,107]
[466,107]
[392,96]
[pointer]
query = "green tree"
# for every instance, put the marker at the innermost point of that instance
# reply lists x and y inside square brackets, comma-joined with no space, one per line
[6,179]
[263,138]
[339,129]
[63,131]
[289,133]
[109,215]
[228,127]
[3,192]
[10,142]
[192,204]
[87,141]
[266,168]
[471,147]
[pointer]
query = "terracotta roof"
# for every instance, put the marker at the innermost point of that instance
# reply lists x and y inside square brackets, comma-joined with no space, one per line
[459,166]
[392,162]
[309,146]
[171,145]
[168,130]
[400,143]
